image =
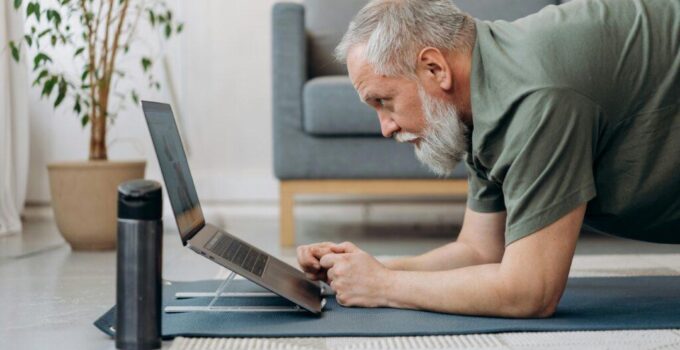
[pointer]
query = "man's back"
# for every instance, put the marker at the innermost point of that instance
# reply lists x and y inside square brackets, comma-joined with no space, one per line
[606,72]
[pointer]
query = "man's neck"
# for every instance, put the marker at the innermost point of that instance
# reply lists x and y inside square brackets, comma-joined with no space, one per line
[461,64]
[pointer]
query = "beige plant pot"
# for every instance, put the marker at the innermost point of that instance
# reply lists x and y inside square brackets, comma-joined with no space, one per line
[84,199]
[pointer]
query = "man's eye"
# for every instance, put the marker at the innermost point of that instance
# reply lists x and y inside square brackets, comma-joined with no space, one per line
[382,101]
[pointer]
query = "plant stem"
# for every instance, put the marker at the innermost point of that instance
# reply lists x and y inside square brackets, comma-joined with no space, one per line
[98,124]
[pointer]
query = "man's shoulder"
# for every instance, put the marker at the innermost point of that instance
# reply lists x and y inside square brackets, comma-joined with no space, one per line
[545,105]
[549,113]
[546,99]
[535,118]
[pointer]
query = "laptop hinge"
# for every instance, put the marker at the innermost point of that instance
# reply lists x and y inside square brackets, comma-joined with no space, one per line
[193,232]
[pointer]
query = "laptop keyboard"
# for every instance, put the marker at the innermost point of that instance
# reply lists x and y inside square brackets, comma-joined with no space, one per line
[239,253]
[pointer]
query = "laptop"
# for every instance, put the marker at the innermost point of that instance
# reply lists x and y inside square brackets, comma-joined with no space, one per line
[209,241]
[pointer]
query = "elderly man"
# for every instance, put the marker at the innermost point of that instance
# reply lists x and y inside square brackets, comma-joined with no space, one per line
[565,117]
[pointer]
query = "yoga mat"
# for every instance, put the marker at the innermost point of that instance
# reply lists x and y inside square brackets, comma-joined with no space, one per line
[590,303]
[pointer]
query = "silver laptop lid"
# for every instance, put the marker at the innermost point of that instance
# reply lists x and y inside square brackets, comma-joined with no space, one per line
[175,168]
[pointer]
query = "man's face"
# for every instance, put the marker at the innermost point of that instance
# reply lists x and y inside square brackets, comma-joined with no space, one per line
[409,114]
[395,99]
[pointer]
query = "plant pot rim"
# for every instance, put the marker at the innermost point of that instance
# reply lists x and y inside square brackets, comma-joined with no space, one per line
[96,164]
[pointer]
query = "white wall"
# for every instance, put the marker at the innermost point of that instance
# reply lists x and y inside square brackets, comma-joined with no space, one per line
[227,70]
[221,64]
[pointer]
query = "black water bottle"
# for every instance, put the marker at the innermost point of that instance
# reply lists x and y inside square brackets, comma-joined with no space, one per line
[139,265]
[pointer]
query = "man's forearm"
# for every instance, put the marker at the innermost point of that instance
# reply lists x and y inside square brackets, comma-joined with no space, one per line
[474,290]
[451,256]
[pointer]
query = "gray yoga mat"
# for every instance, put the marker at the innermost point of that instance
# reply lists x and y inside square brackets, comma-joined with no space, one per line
[591,303]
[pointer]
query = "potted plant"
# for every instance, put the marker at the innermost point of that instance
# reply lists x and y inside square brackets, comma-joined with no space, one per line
[95,33]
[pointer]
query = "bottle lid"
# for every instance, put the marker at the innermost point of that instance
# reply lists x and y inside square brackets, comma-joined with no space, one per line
[140,200]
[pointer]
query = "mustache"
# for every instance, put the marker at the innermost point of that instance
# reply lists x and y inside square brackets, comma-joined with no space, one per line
[405,137]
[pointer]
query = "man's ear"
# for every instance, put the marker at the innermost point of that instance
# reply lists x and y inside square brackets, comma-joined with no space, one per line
[432,68]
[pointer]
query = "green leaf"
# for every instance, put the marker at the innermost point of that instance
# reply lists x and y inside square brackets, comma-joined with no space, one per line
[36,10]
[135,97]
[180,27]
[168,30]
[54,16]
[146,63]
[84,120]
[41,76]
[78,51]
[49,85]
[29,9]
[85,74]
[39,58]
[53,40]
[76,106]
[44,32]
[28,39]
[152,18]
[17,4]
[15,51]
[57,18]
[62,92]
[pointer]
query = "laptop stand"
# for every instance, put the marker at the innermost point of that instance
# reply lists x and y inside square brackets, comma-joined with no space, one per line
[221,293]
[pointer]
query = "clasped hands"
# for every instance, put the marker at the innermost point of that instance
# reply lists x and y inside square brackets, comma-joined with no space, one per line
[357,278]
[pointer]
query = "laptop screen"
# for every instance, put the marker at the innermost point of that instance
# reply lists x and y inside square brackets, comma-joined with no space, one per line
[175,168]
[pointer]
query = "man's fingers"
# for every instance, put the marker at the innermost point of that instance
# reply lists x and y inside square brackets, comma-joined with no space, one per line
[345,247]
[307,260]
[319,276]
[318,251]
[329,260]
[330,276]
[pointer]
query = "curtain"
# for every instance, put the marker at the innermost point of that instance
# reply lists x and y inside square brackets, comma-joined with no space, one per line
[14,123]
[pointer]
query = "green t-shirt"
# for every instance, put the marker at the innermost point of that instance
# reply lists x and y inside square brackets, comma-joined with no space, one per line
[580,103]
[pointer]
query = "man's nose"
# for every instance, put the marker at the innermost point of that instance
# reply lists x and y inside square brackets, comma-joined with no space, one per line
[387,125]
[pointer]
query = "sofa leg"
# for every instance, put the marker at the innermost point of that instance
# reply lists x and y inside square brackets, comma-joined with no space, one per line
[289,188]
[287,215]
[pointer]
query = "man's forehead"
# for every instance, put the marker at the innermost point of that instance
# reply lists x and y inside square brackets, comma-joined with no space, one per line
[358,66]
[364,78]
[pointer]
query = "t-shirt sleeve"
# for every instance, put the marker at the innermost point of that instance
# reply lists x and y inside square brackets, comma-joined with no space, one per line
[549,162]
[484,196]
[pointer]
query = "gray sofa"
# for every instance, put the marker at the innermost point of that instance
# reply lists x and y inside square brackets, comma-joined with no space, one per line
[322,131]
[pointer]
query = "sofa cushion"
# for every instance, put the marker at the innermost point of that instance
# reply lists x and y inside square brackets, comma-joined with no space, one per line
[331,106]
[327,20]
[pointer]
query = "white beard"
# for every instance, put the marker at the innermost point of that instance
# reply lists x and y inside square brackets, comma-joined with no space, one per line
[445,141]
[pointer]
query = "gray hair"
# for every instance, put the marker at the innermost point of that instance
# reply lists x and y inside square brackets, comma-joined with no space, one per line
[394,32]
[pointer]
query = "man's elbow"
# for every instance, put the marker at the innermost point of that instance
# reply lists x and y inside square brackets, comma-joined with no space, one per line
[540,307]
[537,303]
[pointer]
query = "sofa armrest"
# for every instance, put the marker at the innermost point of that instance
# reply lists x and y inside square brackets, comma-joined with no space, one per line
[289,65]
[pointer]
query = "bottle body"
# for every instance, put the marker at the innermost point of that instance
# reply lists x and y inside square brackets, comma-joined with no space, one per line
[139,266]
